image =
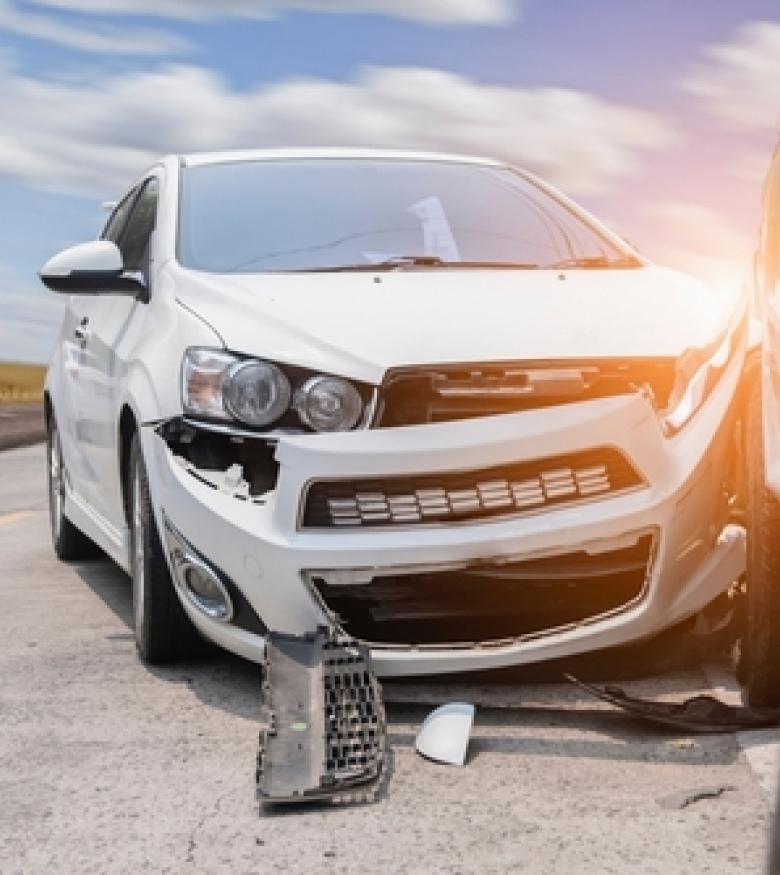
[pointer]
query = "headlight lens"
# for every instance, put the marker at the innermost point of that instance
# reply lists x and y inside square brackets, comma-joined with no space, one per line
[219,385]
[698,374]
[256,392]
[328,404]
[203,379]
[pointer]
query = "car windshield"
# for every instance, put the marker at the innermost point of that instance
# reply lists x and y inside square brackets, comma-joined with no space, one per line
[369,214]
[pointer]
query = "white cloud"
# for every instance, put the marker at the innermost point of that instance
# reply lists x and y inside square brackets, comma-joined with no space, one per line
[92,137]
[694,238]
[752,167]
[432,11]
[103,38]
[740,80]
[31,320]
[100,38]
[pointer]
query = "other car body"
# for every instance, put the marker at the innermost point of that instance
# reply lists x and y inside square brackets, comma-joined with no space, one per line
[424,398]
[759,665]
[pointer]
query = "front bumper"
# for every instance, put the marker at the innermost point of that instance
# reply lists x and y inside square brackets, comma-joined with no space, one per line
[262,549]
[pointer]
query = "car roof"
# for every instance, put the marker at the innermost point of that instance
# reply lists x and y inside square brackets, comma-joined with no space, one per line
[197,159]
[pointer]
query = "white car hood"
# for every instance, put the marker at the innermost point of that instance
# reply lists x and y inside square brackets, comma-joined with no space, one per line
[360,324]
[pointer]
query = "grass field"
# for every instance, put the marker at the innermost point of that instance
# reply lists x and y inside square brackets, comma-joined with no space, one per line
[20,382]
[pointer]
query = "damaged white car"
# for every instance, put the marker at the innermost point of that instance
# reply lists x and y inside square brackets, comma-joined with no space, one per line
[422,399]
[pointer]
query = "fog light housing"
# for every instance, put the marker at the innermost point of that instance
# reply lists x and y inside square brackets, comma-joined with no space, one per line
[201,584]
[204,589]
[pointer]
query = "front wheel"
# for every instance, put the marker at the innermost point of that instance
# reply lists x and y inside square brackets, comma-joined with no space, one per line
[163,632]
[759,668]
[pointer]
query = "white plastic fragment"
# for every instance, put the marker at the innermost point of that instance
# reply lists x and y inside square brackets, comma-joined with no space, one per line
[444,735]
[233,476]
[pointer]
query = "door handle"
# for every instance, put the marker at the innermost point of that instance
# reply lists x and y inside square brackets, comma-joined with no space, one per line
[81,332]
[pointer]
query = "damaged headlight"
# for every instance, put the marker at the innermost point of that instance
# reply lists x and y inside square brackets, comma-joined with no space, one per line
[202,382]
[257,393]
[698,372]
[328,404]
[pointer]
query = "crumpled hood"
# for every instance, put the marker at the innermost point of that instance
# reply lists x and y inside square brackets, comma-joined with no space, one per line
[360,324]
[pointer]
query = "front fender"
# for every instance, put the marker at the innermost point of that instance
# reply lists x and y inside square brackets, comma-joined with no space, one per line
[151,387]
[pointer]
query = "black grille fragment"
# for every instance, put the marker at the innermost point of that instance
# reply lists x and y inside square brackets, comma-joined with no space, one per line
[325,730]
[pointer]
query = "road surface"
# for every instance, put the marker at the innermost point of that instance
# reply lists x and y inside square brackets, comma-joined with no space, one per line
[107,766]
[21,425]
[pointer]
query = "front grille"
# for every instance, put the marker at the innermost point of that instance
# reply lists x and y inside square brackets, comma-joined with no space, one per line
[489,601]
[471,495]
[413,396]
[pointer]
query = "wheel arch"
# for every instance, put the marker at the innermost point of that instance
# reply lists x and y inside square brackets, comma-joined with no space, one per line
[128,427]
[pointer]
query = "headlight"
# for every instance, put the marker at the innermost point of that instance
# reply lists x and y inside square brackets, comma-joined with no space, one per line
[698,373]
[256,393]
[328,404]
[202,382]
[219,385]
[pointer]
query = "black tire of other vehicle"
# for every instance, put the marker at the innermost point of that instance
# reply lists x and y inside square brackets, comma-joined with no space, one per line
[760,651]
[69,542]
[163,631]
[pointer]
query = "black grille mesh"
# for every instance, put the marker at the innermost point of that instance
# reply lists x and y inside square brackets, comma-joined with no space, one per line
[353,724]
[491,492]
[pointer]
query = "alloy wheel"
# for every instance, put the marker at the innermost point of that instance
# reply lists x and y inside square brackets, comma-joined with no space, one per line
[56,483]
[138,559]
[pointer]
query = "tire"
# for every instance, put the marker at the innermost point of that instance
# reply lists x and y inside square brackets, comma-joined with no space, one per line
[69,543]
[163,631]
[759,669]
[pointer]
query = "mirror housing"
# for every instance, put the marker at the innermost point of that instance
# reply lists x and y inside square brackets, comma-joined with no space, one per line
[93,268]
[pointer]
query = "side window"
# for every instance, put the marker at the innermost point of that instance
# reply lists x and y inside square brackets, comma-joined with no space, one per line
[135,235]
[116,221]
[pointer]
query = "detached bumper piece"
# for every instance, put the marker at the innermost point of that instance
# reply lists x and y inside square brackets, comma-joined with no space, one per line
[325,729]
[699,714]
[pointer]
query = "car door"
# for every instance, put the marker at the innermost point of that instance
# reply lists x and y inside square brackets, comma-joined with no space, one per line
[74,366]
[115,318]
[73,402]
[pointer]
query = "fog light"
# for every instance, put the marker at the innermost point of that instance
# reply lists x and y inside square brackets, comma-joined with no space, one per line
[197,580]
[205,589]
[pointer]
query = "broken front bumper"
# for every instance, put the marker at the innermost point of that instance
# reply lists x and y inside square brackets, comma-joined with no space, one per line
[284,569]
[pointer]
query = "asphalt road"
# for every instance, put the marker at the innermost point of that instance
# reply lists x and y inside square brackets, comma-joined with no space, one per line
[107,766]
[21,425]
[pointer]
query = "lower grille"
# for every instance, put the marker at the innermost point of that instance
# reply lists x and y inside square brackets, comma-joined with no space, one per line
[489,602]
[471,495]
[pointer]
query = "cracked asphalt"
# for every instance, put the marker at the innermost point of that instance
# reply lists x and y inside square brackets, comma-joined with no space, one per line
[107,766]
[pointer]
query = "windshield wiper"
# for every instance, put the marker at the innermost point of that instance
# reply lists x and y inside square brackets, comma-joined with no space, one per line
[595,261]
[399,262]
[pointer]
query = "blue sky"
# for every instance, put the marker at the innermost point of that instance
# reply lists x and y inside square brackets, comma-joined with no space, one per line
[659,115]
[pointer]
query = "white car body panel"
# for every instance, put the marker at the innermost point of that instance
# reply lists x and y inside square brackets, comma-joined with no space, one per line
[357,327]
[262,546]
[553,315]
